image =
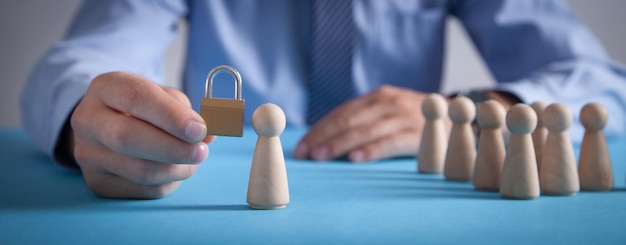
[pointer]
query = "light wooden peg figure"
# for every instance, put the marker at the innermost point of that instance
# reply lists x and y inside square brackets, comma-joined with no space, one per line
[490,155]
[558,175]
[268,187]
[594,162]
[540,133]
[461,152]
[520,179]
[432,152]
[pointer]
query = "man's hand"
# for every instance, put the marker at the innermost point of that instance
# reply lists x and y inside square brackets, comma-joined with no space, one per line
[134,139]
[385,123]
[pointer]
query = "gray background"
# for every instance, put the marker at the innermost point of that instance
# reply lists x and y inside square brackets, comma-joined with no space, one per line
[29,27]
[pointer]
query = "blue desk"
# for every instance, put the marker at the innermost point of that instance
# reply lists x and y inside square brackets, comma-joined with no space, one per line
[337,202]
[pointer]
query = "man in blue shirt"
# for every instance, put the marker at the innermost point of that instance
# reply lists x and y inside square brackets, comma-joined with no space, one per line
[94,100]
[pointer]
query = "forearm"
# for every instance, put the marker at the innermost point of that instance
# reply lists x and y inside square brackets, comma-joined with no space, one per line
[105,36]
[538,50]
[576,83]
[50,94]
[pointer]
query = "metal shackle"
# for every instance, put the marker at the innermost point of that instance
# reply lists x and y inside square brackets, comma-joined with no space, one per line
[208,91]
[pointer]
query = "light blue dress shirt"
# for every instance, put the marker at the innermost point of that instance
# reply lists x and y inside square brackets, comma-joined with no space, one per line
[535,49]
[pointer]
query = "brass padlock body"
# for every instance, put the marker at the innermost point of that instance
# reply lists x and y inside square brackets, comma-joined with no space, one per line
[223,116]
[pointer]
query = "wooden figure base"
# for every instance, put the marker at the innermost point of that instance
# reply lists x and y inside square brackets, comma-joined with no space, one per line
[518,197]
[267,206]
[550,193]
[597,189]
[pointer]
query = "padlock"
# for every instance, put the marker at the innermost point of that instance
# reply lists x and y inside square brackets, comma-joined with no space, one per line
[223,116]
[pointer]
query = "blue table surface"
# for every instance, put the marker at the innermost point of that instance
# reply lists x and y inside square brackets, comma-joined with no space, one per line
[336,202]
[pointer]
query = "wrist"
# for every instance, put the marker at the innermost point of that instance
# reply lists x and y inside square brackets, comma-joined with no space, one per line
[505,98]
[63,152]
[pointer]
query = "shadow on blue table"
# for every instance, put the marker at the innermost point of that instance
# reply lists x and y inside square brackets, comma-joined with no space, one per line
[391,179]
[30,180]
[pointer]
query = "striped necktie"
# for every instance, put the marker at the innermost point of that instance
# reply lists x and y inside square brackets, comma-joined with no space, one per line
[330,77]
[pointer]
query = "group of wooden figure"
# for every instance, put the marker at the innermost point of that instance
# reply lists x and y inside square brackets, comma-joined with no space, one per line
[538,159]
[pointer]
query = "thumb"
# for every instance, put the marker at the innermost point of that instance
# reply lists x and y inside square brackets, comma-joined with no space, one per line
[182,98]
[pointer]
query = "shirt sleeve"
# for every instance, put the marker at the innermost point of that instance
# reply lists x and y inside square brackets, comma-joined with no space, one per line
[540,51]
[115,35]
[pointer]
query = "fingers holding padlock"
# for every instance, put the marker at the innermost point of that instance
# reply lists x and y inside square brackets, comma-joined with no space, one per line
[142,99]
[125,116]
[136,138]
[182,98]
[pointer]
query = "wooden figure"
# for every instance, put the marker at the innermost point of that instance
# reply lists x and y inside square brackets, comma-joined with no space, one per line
[268,187]
[594,163]
[557,175]
[490,155]
[520,179]
[432,152]
[461,152]
[540,133]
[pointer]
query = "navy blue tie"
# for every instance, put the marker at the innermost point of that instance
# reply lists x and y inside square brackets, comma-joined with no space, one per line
[330,80]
